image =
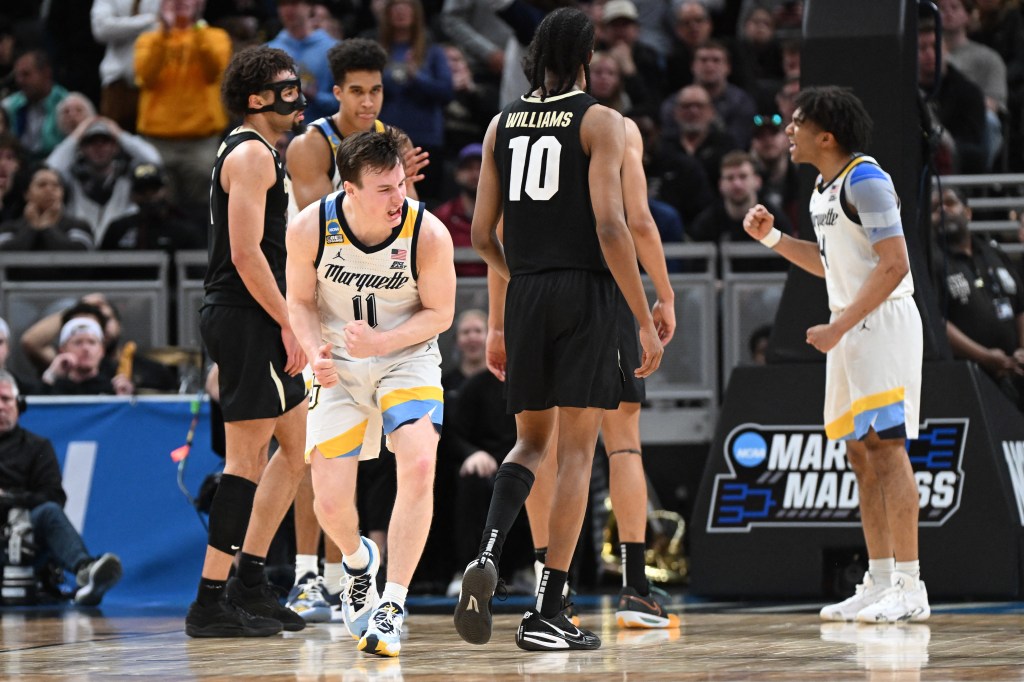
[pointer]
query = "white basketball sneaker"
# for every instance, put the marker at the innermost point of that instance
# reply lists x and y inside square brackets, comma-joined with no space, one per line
[868,592]
[906,600]
[360,596]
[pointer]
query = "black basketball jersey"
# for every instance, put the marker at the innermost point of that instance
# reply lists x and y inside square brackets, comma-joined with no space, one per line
[549,222]
[224,286]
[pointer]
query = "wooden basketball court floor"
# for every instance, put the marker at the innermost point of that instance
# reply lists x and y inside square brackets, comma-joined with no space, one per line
[716,641]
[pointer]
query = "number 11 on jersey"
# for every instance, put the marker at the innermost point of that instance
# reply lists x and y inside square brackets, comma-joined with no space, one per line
[371,309]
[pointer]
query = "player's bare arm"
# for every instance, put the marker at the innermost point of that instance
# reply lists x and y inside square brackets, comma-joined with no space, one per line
[497,287]
[436,283]
[603,136]
[893,265]
[487,212]
[759,222]
[248,172]
[646,238]
[308,165]
[302,241]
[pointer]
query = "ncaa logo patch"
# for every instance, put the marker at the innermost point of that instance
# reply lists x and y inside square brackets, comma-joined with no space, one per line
[793,476]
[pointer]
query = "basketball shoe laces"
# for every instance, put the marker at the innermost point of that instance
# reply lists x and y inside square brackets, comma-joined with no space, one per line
[384,619]
[359,590]
[314,589]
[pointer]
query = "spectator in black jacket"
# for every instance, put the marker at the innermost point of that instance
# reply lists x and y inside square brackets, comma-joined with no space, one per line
[30,479]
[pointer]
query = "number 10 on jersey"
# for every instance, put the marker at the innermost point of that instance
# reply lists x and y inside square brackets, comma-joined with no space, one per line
[542,170]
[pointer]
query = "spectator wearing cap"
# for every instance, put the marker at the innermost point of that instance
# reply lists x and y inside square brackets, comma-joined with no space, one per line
[457,214]
[32,110]
[156,223]
[780,180]
[44,224]
[641,67]
[95,162]
[76,370]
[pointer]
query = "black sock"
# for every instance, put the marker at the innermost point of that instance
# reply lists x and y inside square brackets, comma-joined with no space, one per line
[540,554]
[633,564]
[210,591]
[549,596]
[512,486]
[250,569]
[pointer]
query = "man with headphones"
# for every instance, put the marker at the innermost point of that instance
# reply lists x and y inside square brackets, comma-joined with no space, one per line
[30,478]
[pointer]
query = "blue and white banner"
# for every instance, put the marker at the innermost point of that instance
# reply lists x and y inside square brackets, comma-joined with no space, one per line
[122,486]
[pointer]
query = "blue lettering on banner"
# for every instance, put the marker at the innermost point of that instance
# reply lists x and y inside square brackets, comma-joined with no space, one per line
[793,476]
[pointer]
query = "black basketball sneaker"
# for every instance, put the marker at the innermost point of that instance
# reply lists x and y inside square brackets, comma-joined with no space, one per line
[473,612]
[537,633]
[260,600]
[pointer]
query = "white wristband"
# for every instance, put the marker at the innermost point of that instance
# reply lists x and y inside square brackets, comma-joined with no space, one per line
[773,237]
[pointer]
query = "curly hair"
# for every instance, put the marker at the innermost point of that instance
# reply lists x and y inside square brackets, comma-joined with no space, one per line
[369,151]
[562,45]
[249,71]
[838,111]
[355,54]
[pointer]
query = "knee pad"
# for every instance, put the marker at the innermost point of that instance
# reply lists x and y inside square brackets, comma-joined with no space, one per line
[230,512]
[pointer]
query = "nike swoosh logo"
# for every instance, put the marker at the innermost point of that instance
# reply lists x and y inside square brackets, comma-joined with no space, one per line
[472,605]
[577,632]
[235,548]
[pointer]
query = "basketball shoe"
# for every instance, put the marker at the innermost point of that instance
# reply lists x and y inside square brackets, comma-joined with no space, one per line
[537,633]
[307,599]
[360,596]
[383,636]
[261,600]
[867,593]
[223,619]
[95,578]
[906,600]
[635,611]
[473,612]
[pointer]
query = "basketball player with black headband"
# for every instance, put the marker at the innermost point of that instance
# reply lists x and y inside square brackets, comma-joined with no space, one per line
[244,324]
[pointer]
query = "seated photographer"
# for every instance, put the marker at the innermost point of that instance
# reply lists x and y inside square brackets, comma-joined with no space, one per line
[30,479]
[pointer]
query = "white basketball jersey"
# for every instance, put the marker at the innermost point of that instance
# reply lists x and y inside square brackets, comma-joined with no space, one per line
[325,126]
[846,251]
[372,283]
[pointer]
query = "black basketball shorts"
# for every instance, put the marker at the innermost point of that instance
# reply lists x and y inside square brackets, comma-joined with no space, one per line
[246,345]
[561,341]
[633,390]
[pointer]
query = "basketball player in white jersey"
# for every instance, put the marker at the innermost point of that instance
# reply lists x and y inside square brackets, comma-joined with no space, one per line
[357,66]
[873,340]
[371,283]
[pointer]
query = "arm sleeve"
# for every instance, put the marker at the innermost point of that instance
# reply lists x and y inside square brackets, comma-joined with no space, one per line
[871,193]
[108,26]
[456,23]
[139,149]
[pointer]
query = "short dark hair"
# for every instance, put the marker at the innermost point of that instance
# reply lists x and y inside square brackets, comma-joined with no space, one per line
[368,151]
[249,71]
[561,45]
[355,54]
[83,309]
[838,111]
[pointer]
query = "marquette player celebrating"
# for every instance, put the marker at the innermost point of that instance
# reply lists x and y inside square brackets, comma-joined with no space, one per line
[371,283]
[873,340]
[550,169]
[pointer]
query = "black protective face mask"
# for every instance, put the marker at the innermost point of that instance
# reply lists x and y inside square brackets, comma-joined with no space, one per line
[280,106]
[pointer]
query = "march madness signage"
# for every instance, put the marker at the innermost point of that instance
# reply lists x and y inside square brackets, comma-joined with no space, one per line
[793,476]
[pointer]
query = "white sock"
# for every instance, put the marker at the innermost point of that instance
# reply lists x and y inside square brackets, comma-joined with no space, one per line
[305,563]
[881,570]
[396,593]
[911,568]
[333,573]
[358,561]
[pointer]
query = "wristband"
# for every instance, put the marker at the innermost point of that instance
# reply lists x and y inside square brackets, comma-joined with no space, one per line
[773,237]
